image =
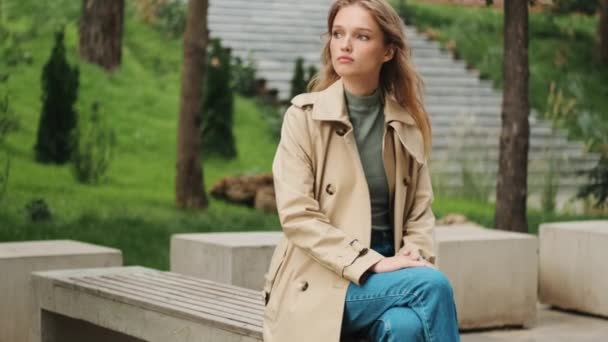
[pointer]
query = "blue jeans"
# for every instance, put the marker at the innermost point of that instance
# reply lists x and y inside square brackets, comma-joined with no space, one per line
[408,305]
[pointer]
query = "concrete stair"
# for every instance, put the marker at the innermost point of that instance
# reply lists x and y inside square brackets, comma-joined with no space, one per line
[465,111]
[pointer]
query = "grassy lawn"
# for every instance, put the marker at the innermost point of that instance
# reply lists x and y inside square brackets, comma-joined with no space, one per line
[562,50]
[134,209]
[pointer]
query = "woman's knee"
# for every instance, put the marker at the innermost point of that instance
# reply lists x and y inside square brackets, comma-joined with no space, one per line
[399,324]
[435,282]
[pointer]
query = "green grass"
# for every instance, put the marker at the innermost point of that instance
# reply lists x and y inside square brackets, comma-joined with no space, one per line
[134,209]
[562,50]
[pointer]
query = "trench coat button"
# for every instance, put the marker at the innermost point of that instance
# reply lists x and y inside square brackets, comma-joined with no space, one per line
[341,131]
[406,180]
[303,285]
[330,189]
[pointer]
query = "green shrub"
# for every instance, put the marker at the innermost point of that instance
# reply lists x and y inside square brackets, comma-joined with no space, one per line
[243,76]
[569,6]
[94,146]
[298,82]
[38,210]
[172,16]
[58,118]
[218,105]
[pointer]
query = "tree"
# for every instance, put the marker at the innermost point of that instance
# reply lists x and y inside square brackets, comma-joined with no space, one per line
[58,117]
[218,104]
[190,192]
[511,185]
[603,31]
[101,28]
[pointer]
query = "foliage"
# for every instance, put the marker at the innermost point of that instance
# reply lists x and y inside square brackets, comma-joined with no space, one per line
[243,76]
[58,117]
[298,81]
[94,141]
[598,184]
[218,102]
[169,15]
[38,210]
[579,6]
[172,16]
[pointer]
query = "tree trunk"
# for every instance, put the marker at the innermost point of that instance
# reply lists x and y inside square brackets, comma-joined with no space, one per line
[603,31]
[190,192]
[101,27]
[511,186]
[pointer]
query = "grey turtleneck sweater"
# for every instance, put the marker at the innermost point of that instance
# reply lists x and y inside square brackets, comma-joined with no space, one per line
[367,116]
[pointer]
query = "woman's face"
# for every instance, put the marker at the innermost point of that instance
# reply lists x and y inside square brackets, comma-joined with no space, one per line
[357,44]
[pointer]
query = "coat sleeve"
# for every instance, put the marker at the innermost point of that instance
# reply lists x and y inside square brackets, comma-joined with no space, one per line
[299,212]
[419,233]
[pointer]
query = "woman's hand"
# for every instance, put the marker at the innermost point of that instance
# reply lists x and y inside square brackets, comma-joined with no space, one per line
[398,262]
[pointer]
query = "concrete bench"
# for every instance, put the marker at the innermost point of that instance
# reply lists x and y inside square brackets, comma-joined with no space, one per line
[574,266]
[128,304]
[239,259]
[19,259]
[494,274]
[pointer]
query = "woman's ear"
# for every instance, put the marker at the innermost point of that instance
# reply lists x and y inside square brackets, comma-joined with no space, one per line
[389,54]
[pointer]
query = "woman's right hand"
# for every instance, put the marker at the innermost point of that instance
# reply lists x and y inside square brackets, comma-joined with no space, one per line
[397,262]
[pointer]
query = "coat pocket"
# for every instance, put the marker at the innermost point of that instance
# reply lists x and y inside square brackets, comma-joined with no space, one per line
[275,265]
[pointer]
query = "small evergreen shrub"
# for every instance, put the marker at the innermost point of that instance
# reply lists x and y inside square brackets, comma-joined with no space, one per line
[218,105]
[58,118]
[94,142]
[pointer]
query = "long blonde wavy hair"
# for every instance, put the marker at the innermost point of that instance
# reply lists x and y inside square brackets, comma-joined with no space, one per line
[398,78]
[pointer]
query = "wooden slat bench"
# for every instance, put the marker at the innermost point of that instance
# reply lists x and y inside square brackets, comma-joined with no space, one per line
[127,304]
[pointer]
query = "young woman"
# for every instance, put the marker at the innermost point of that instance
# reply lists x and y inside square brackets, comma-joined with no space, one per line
[354,196]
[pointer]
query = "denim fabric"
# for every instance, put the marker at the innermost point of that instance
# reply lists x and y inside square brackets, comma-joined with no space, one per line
[408,305]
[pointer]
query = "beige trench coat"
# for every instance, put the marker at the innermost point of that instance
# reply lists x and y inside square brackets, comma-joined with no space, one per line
[324,209]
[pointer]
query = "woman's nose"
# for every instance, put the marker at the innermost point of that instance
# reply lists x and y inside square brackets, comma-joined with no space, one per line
[346,44]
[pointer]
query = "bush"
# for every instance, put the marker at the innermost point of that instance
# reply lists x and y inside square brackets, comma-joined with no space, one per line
[38,210]
[218,105]
[172,16]
[298,82]
[598,184]
[58,118]
[5,168]
[569,6]
[94,144]
[243,77]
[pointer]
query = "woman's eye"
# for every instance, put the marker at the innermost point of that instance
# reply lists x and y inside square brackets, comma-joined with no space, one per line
[337,34]
[363,37]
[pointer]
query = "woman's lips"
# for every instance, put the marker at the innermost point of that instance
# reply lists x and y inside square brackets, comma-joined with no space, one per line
[345,60]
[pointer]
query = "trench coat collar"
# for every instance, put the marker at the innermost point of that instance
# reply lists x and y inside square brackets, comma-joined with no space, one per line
[329,105]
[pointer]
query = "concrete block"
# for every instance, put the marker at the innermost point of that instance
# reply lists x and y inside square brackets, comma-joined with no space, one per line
[573,266]
[18,259]
[493,273]
[136,304]
[239,259]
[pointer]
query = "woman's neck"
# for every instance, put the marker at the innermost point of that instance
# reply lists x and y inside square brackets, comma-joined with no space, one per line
[360,87]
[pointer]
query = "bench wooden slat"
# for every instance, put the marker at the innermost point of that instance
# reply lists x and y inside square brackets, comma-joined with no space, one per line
[220,286]
[144,297]
[195,288]
[203,300]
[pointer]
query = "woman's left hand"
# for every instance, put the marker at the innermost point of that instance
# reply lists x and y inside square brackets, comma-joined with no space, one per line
[415,255]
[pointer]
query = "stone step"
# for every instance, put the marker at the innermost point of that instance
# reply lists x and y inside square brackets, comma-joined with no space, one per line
[583,160]
[437,100]
[476,91]
[483,143]
[493,110]
[296,20]
[564,184]
[454,130]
